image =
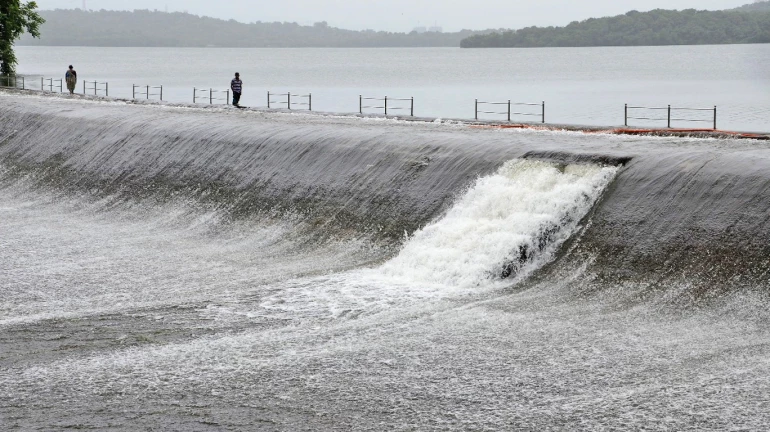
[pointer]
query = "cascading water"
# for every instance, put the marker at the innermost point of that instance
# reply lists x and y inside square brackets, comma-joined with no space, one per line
[175,268]
[515,218]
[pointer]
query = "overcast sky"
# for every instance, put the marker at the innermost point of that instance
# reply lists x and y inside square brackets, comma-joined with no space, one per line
[403,15]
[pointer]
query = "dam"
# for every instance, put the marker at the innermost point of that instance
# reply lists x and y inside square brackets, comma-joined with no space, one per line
[166,266]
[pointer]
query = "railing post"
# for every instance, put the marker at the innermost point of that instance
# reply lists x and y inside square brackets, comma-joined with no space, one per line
[195,93]
[715,117]
[288,100]
[360,104]
[476,109]
[386,105]
[227,97]
[310,101]
[161,93]
[669,116]
[509,110]
[148,93]
[543,112]
[412,106]
[42,84]
[107,89]
[84,87]
[268,99]
[211,96]
[625,119]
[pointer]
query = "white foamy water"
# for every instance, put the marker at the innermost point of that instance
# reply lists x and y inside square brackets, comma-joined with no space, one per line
[498,218]
[527,204]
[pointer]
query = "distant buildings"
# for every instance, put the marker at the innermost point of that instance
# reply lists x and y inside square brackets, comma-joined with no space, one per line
[423,29]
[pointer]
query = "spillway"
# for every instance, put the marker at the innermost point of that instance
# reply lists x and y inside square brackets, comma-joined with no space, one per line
[204,269]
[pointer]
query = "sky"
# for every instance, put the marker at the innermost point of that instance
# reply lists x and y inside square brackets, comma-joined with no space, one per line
[402,15]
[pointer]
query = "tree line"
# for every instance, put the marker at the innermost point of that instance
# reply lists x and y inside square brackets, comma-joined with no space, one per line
[16,18]
[145,28]
[657,27]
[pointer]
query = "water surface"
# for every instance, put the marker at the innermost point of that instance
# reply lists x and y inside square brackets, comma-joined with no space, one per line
[579,85]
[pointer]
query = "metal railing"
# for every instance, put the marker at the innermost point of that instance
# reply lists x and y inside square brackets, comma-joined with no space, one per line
[289,103]
[12,81]
[51,84]
[385,105]
[97,87]
[667,114]
[509,112]
[670,113]
[209,95]
[147,91]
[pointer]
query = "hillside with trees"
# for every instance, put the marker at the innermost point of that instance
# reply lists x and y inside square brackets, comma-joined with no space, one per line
[657,27]
[144,28]
[759,6]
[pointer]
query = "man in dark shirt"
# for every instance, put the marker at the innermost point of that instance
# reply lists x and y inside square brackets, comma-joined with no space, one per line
[71,77]
[236,86]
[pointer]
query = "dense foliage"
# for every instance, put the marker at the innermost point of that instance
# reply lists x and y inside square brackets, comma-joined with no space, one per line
[657,27]
[762,6]
[152,28]
[16,18]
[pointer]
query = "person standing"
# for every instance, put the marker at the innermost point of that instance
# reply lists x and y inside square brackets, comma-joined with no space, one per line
[72,79]
[236,86]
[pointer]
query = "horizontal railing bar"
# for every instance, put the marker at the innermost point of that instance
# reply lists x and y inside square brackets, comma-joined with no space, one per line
[692,120]
[297,103]
[512,103]
[672,108]
[493,112]
[374,107]
[371,98]
[648,118]
[397,99]
[280,94]
[527,114]
[278,103]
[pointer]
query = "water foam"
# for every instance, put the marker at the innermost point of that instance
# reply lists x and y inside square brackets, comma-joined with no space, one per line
[504,227]
[506,223]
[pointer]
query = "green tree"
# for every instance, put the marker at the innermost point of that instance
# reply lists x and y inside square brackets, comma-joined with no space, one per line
[16,18]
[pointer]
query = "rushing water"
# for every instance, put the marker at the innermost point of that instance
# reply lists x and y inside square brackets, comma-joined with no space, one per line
[174,268]
[579,85]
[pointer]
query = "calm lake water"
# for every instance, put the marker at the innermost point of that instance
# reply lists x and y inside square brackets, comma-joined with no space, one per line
[579,85]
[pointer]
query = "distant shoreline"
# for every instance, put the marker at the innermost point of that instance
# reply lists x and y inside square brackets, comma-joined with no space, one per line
[143,28]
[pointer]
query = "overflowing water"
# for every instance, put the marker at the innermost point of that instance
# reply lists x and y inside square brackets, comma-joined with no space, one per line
[178,269]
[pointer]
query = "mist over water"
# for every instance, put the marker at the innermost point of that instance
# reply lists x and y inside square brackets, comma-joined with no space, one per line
[182,269]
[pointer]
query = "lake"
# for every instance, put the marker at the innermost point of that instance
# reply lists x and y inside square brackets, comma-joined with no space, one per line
[578,85]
